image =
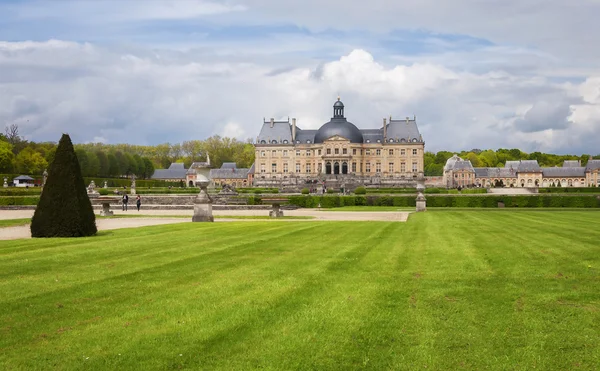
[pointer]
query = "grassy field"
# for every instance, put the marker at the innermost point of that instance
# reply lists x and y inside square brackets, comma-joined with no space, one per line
[446,290]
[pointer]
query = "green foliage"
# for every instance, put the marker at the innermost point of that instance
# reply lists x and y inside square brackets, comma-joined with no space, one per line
[360,191]
[305,191]
[449,201]
[29,161]
[18,200]
[18,191]
[64,209]
[6,157]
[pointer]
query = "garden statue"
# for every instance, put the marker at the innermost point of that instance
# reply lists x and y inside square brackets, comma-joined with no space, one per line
[44,178]
[105,184]
[5,182]
[91,189]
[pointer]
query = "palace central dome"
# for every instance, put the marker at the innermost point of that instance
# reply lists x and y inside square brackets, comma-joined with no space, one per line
[339,126]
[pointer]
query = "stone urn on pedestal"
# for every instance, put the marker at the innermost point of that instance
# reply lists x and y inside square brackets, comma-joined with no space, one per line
[202,202]
[421,200]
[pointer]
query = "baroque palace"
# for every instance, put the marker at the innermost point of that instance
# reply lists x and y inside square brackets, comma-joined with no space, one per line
[339,154]
[524,173]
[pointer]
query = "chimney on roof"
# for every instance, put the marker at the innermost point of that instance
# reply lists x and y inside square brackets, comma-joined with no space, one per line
[407,118]
[384,128]
[272,122]
[293,130]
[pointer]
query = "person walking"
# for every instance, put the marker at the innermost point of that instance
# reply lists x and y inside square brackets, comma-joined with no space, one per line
[125,201]
[138,202]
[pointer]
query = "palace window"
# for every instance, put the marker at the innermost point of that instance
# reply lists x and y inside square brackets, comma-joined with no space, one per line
[308,168]
[414,152]
[378,152]
[285,141]
[297,153]
[298,167]
[414,167]
[337,151]
[368,167]
[285,152]
[402,167]
[262,168]
[308,152]
[328,151]
[319,152]
[285,167]
[368,152]
[391,167]
[354,167]
[262,153]
[402,152]
[344,151]
[378,167]
[354,151]
[391,152]
[273,167]
[273,153]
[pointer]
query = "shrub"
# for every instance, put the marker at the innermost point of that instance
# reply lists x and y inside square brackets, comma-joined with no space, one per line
[64,209]
[305,191]
[360,191]
[103,191]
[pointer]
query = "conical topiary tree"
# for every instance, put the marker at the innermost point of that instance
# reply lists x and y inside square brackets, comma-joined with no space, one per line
[64,209]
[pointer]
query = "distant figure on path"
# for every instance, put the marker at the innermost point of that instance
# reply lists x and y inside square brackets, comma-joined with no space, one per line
[138,202]
[125,201]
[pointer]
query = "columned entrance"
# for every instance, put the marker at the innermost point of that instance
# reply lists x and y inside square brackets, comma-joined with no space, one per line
[344,168]
[328,167]
[336,167]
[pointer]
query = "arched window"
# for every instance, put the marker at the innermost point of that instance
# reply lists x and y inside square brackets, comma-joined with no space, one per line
[285,141]
[263,142]
[328,167]
[273,141]
[344,168]
[308,141]
[336,167]
[391,140]
[414,140]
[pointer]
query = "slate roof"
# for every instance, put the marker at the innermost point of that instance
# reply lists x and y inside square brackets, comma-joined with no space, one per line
[481,172]
[403,129]
[513,164]
[571,163]
[229,170]
[502,172]
[372,135]
[280,133]
[175,171]
[228,173]
[251,171]
[303,136]
[529,166]
[228,165]
[564,171]
[463,165]
[592,165]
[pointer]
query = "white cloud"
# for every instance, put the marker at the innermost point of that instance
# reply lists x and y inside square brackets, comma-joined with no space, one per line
[99,93]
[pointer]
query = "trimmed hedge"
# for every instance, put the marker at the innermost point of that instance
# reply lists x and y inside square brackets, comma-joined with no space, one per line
[19,200]
[15,191]
[569,190]
[449,201]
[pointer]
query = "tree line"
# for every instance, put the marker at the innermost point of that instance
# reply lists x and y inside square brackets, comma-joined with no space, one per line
[18,155]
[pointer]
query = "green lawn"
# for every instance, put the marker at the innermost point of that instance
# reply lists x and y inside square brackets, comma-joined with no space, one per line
[446,290]
[14,222]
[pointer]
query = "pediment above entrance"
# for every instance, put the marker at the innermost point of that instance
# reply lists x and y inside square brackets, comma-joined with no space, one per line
[337,138]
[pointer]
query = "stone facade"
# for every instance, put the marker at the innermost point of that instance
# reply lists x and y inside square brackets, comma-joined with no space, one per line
[339,152]
[524,174]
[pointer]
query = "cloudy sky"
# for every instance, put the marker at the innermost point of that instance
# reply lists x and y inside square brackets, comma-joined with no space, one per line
[477,74]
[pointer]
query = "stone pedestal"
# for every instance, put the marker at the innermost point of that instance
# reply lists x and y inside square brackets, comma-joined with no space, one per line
[276,211]
[421,203]
[106,211]
[421,200]
[5,183]
[203,205]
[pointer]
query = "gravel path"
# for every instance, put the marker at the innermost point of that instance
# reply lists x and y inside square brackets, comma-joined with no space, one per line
[158,217]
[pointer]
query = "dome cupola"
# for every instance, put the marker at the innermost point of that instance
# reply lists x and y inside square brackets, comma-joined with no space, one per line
[339,126]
